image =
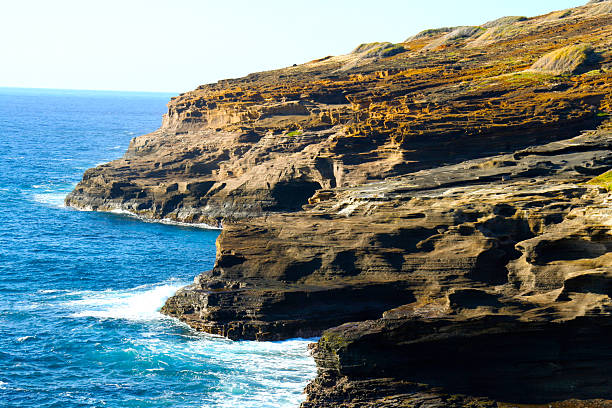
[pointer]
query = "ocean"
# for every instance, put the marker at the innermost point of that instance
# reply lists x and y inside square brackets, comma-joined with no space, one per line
[80,291]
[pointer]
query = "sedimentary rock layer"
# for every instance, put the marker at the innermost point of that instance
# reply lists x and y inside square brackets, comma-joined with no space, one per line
[265,143]
[423,206]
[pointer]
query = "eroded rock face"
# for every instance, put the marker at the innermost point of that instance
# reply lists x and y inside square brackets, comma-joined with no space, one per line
[500,221]
[502,258]
[265,143]
[433,193]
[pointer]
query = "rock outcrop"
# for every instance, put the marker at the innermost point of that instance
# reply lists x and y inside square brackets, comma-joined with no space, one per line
[426,207]
[265,143]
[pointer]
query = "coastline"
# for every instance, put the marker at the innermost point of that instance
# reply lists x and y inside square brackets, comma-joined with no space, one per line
[80,291]
[144,218]
[402,202]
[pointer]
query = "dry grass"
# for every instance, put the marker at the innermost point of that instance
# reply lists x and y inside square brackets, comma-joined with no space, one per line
[457,34]
[564,61]
[378,50]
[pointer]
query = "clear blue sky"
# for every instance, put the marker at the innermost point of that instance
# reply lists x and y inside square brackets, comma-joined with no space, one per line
[176,45]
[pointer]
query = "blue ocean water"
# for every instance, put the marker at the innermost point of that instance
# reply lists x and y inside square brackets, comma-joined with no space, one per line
[80,291]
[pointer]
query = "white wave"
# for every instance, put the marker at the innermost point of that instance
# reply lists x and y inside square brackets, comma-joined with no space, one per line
[46,291]
[270,374]
[181,224]
[141,303]
[127,213]
[247,374]
[3,385]
[250,375]
[121,211]
[53,199]
[24,338]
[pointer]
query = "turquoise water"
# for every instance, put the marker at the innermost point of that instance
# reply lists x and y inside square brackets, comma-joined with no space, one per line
[80,291]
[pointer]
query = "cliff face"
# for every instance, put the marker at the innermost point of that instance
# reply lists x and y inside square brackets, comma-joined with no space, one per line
[265,143]
[433,192]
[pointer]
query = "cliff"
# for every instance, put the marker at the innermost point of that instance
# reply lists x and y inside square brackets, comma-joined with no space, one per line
[427,207]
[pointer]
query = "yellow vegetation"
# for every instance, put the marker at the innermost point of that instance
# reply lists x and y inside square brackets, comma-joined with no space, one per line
[566,60]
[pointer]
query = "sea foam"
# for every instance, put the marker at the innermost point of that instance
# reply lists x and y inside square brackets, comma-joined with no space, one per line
[140,303]
[51,199]
[120,211]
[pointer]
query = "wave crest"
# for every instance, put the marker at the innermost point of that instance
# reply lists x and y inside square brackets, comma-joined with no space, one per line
[141,303]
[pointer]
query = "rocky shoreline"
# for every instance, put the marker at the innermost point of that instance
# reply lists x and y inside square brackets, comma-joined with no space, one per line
[425,207]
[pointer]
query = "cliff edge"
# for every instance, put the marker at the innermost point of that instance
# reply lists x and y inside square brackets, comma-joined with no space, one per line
[438,211]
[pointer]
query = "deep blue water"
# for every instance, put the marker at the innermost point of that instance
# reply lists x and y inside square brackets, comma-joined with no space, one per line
[80,291]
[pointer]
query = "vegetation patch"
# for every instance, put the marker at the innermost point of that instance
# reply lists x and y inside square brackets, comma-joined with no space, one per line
[604,180]
[526,78]
[432,32]
[504,21]
[294,133]
[390,51]
[568,60]
[334,340]
[458,34]
[499,33]
[379,50]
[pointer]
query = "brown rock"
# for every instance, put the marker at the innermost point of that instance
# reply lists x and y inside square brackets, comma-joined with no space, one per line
[436,197]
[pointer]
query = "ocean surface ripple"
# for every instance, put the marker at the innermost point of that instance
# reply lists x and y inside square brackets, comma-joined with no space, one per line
[80,291]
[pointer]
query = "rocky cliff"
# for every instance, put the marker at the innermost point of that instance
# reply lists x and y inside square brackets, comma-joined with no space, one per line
[427,207]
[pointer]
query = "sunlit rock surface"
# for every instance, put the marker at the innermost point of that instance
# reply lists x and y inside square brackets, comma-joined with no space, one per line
[425,206]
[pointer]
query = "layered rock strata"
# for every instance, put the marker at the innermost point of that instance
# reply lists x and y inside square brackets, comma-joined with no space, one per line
[265,143]
[423,206]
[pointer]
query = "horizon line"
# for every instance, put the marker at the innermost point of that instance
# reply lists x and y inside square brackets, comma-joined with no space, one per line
[33,88]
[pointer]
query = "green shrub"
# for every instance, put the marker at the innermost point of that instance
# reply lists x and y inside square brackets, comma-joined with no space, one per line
[604,180]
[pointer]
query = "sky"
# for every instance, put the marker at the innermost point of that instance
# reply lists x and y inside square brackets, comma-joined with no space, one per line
[176,45]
